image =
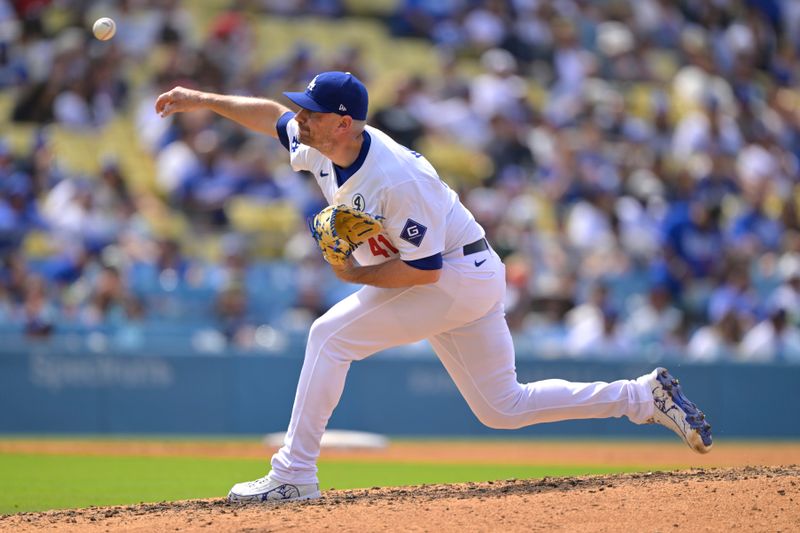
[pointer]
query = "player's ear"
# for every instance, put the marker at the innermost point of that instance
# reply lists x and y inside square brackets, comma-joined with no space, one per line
[345,123]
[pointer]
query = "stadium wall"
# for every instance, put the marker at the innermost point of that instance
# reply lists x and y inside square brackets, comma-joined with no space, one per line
[44,392]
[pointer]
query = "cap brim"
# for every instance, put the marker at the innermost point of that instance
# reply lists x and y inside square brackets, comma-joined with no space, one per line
[306,102]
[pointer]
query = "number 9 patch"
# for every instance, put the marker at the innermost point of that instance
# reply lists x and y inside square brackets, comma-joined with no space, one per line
[413,232]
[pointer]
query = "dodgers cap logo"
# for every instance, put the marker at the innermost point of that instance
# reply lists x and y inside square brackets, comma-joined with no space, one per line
[334,92]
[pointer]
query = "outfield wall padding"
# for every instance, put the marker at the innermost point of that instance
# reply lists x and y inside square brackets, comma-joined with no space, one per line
[45,392]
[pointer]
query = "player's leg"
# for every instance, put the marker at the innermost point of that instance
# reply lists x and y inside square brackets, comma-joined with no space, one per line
[480,359]
[358,326]
[366,322]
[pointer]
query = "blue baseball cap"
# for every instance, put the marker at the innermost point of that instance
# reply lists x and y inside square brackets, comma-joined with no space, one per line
[334,92]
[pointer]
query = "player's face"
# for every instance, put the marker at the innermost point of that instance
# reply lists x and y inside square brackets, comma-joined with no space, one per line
[317,129]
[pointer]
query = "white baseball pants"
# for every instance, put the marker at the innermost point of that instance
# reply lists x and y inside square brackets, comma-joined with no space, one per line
[462,317]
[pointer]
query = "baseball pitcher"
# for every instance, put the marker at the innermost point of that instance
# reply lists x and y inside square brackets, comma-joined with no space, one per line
[427,272]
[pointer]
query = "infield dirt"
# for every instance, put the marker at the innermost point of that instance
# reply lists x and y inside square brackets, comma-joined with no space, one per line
[765,497]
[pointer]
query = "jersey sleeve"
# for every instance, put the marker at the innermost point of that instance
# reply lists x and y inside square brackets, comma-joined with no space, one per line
[433,262]
[301,157]
[281,128]
[415,213]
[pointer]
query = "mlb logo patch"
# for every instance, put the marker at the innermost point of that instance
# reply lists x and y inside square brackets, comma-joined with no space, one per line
[413,232]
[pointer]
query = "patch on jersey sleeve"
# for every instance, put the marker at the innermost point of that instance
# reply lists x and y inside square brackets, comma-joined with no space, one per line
[413,232]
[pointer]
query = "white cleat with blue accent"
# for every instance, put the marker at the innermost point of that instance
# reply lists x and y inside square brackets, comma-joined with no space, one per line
[268,490]
[675,411]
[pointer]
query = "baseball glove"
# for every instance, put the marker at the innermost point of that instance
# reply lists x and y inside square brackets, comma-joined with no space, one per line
[340,229]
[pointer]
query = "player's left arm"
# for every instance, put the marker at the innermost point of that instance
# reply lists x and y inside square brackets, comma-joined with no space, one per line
[392,274]
[414,221]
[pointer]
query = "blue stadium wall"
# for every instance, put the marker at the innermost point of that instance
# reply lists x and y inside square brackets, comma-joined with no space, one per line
[46,392]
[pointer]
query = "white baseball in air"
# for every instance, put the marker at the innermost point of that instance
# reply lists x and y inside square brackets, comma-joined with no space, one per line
[104,28]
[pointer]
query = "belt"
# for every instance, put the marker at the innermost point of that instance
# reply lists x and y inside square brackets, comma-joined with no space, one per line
[475,247]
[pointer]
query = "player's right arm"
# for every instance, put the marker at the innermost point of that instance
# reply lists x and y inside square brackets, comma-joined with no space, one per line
[257,114]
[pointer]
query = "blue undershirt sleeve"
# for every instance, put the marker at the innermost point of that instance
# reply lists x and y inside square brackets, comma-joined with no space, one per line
[433,262]
[280,126]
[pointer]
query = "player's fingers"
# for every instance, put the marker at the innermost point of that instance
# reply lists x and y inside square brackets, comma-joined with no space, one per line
[167,109]
[165,105]
[161,101]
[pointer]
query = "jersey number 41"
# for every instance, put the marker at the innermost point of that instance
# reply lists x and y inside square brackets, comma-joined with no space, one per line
[379,245]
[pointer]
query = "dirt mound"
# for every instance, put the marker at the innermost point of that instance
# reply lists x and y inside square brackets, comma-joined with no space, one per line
[750,498]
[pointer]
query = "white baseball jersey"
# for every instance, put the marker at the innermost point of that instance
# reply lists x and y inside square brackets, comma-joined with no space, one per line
[422,215]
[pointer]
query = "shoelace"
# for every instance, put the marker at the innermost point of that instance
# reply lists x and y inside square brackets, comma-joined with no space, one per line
[260,480]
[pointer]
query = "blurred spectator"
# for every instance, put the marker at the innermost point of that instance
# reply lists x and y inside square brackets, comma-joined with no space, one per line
[163,267]
[289,73]
[508,153]
[252,173]
[311,298]
[14,275]
[454,118]
[229,44]
[73,214]
[398,119]
[208,183]
[232,317]
[693,240]
[18,210]
[112,195]
[589,222]
[787,295]
[709,130]
[572,65]
[499,90]
[181,158]
[324,8]
[654,319]
[734,295]
[131,334]
[587,320]
[487,24]
[350,58]
[603,341]
[39,314]
[753,232]
[67,267]
[716,342]
[107,301]
[235,266]
[421,17]
[773,339]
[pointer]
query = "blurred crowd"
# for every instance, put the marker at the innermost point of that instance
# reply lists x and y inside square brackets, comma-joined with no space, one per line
[640,176]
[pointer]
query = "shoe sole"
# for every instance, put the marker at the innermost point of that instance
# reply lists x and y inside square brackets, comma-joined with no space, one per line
[694,416]
[256,498]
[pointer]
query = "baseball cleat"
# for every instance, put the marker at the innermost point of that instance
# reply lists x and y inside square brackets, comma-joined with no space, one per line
[268,490]
[675,411]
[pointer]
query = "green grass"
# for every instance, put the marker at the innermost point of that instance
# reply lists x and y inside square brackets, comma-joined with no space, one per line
[30,482]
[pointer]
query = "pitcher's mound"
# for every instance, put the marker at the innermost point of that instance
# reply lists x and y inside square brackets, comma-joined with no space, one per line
[748,498]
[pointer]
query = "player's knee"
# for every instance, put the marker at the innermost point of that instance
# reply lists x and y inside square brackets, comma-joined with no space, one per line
[322,329]
[501,413]
[498,420]
[326,339]
[317,330]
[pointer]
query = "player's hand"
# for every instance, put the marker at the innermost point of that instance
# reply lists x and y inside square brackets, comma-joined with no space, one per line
[178,100]
[344,270]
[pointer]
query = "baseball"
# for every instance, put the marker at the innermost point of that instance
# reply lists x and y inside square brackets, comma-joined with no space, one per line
[104,28]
